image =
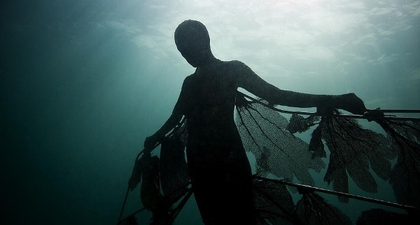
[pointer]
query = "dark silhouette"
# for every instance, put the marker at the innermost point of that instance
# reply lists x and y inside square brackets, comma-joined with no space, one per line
[218,166]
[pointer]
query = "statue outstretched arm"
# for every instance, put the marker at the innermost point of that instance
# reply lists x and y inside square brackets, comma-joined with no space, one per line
[247,79]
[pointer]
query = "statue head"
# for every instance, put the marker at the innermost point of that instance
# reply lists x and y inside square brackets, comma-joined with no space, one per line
[193,42]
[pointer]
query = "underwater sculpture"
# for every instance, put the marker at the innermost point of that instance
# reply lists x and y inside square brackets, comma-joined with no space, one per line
[218,171]
[268,135]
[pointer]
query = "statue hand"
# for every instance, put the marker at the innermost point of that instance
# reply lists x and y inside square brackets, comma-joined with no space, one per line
[350,102]
[151,142]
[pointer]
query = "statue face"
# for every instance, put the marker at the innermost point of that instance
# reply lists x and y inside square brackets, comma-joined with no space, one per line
[195,53]
[192,40]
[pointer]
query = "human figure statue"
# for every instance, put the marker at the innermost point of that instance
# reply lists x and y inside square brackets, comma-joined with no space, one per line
[219,169]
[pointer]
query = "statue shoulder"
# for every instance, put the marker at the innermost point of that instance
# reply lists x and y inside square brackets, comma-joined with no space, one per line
[239,70]
[235,64]
[189,79]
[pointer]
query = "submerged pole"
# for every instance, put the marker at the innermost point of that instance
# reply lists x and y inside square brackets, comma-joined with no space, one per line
[358,197]
[366,116]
